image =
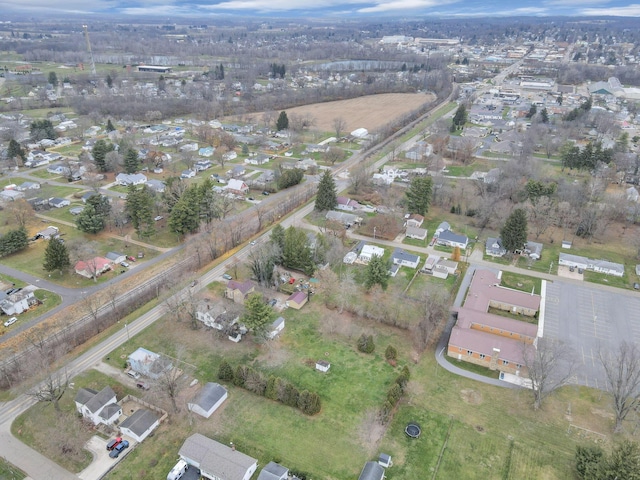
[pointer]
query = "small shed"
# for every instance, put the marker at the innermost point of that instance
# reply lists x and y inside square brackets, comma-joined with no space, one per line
[140,424]
[323,366]
[276,327]
[566,244]
[384,460]
[297,300]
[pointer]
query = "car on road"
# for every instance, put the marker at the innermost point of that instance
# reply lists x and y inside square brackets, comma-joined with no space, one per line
[124,264]
[117,450]
[11,321]
[114,443]
[226,276]
[252,243]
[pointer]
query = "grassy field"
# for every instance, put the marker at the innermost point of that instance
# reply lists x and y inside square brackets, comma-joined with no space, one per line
[521,282]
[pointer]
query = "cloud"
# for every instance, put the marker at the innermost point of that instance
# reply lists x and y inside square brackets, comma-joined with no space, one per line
[68,6]
[573,3]
[632,10]
[279,5]
[402,5]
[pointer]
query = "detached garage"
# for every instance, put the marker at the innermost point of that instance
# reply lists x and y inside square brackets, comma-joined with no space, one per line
[208,399]
[140,424]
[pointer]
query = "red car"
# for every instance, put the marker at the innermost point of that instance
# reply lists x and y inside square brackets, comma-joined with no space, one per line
[131,258]
[114,443]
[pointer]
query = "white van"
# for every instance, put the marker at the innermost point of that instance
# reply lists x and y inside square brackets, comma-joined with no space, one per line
[178,470]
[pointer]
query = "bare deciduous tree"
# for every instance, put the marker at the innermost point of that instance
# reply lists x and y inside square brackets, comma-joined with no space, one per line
[358,177]
[550,365]
[622,372]
[52,388]
[171,379]
[339,125]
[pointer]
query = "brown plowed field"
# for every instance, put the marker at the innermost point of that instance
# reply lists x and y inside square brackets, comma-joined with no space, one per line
[370,112]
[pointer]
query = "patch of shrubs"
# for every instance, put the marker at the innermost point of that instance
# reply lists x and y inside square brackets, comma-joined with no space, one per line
[274,388]
[394,394]
[365,343]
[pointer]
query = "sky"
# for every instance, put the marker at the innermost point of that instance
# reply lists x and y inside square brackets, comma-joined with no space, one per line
[326,8]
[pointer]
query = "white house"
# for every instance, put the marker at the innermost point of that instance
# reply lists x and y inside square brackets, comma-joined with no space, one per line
[148,363]
[414,220]
[494,248]
[404,259]
[600,266]
[259,159]
[450,239]
[11,195]
[99,407]
[415,232]
[127,179]
[345,203]
[140,424]
[115,257]
[188,174]
[208,399]
[369,251]
[276,327]
[17,302]
[57,202]
[216,460]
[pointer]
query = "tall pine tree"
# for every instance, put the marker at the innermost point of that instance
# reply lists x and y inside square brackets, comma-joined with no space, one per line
[514,231]
[56,256]
[283,121]
[327,196]
[419,195]
[99,152]
[139,208]
[377,273]
[131,161]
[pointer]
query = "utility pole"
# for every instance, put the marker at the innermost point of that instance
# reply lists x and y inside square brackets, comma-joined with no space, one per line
[86,36]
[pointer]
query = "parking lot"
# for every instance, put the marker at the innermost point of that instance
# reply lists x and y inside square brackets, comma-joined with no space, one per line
[587,319]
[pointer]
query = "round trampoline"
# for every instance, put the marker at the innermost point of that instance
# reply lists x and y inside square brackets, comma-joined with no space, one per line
[413,430]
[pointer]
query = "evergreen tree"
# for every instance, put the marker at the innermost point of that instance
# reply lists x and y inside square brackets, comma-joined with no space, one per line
[327,196]
[257,315]
[99,152]
[514,231]
[245,149]
[139,208]
[283,121]
[391,353]
[289,178]
[377,272]
[532,111]
[544,115]
[131,161]
[185,215]
[110,127]
[13,241]
[53,79]
[15,150]
[460,118]
[270,390]
[89,221]
[296,253]
[419,195]
[56,256]
[209,202]
[225,372]
[109,81]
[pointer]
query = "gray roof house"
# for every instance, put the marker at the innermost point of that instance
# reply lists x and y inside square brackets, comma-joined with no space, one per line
[115,257]
[371,471]
[59,202]
[216,460]
[140,424]
[600,266]
[405,259]
[450,239]
[148,363]
[99,407]
[494,248]
[533,250]
[416,232]
[274,471]
[208,399]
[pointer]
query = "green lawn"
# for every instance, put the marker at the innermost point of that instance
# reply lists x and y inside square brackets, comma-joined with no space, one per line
[48,301]
[521,282]
[10,472]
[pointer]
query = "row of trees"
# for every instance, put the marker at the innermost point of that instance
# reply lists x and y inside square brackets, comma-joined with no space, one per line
[586,158]
[274,388]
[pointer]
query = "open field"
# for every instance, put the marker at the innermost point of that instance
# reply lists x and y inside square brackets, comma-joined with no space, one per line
[370,112]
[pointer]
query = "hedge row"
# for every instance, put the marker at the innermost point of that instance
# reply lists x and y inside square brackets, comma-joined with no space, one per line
[394,394]
[274,388]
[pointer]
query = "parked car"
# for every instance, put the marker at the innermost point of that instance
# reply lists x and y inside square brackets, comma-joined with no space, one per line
[251,199]
[226,276]
[142,385]
[11,321]
[273,302]
[265,193]
[158,218]
[636,286]
[133,374]
[124,264]
[114,443]
[131,258]
[117,450]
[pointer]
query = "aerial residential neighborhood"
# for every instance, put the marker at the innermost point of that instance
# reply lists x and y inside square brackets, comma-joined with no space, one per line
[319,242]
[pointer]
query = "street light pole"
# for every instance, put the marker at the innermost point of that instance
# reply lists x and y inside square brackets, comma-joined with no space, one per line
[374,233]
